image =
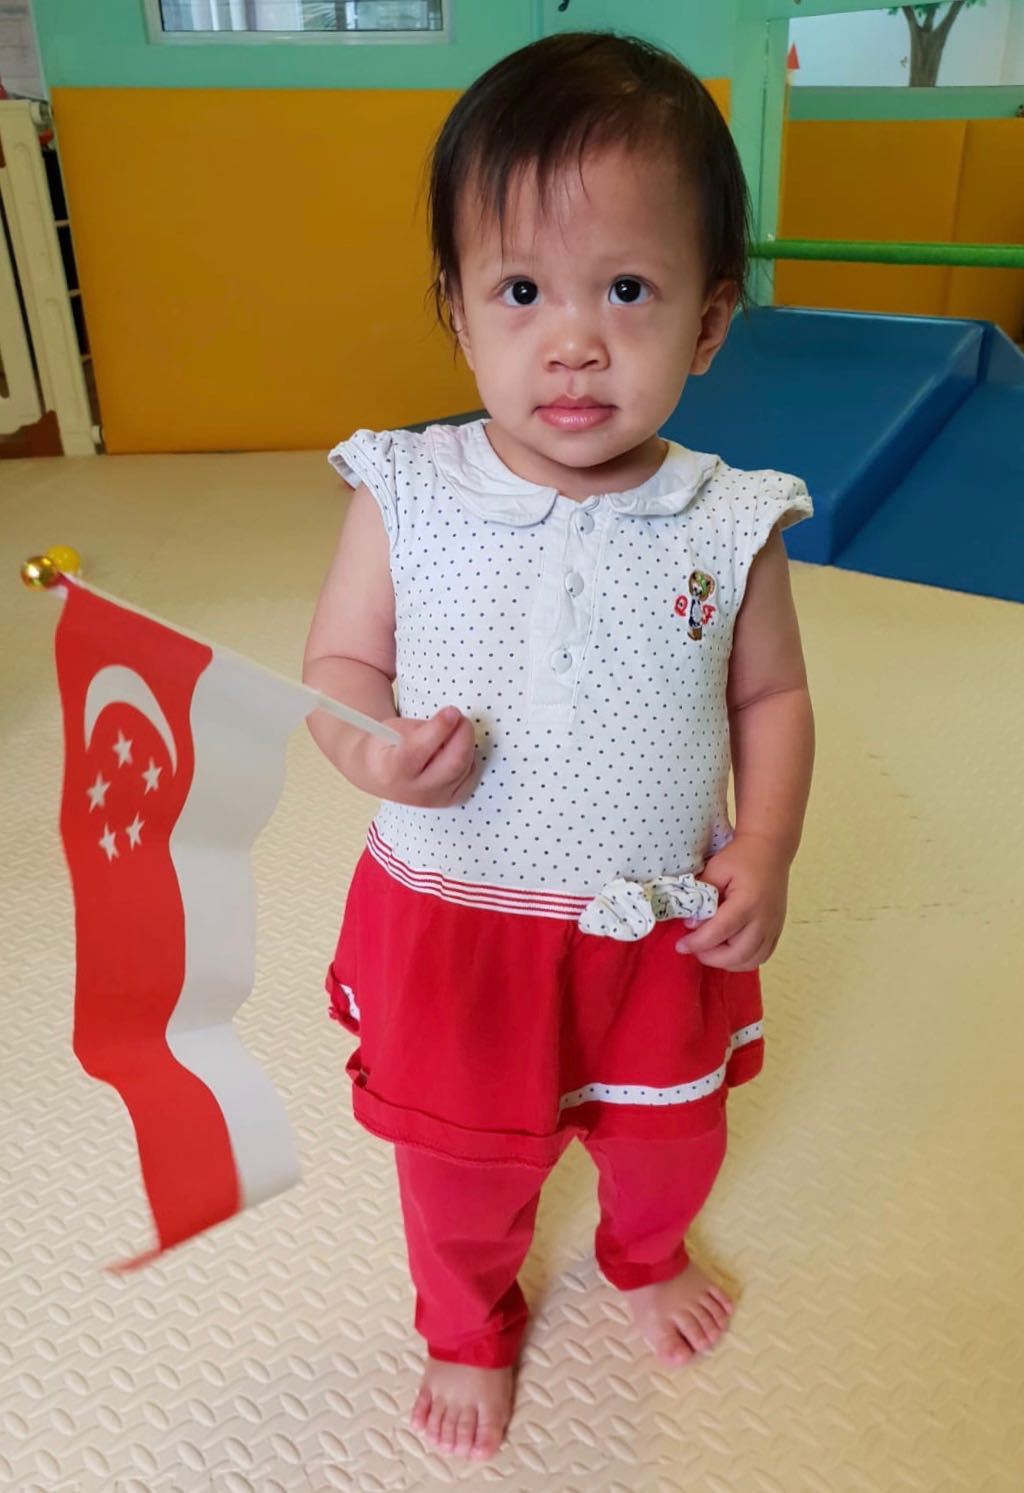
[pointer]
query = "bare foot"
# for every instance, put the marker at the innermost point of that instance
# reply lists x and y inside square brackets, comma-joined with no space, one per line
[463,1409]
[682,1316]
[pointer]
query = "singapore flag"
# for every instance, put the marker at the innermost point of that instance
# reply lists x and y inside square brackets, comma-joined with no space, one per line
[174,761]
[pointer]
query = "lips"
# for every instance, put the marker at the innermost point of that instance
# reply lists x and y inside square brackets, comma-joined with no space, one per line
[575,412]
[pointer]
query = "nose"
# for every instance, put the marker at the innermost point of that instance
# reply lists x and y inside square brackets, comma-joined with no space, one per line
[576,345]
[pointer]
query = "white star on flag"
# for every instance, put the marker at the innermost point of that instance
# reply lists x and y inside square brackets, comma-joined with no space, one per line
[107,842]
[123,748]
[134,831]
[152,776]
[98,792]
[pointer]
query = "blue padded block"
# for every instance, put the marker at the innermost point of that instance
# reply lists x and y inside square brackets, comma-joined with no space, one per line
[843,399]
[957,518]
[1002,361]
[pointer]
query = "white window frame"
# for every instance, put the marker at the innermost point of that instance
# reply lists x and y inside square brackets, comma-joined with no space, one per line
[158,35]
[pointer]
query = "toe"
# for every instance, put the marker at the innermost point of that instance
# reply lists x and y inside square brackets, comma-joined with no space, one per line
[446,1435]
[435,1420]
[421,1409]
[721,1298]
[465,1432]
[488,1437]
[716,1311]
[693,1329]
[707,1319]
[672,1348]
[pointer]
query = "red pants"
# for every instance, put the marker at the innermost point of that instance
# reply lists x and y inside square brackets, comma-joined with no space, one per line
[468,1229]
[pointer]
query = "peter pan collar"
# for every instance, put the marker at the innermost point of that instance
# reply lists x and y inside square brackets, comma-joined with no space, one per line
[483,483]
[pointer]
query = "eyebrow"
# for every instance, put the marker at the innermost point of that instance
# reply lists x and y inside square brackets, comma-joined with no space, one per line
[616,260]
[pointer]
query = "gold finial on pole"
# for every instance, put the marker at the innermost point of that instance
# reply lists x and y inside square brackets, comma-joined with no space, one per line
[40,572]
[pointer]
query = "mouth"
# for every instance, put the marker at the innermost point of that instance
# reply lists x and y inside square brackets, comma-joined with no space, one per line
[575,413]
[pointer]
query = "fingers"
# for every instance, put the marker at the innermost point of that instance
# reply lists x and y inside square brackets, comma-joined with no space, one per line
[427,738]
[734,939]
[748,951]
[450,758]
[452,766]
[434,765]
[726,924]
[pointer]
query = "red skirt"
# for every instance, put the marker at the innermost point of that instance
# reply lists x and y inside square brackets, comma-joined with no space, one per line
[491,1028]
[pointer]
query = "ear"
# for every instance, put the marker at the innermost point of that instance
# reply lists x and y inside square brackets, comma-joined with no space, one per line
[457,313]
[714,324]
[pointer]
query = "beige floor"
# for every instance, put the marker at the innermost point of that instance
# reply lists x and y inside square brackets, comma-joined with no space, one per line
[869,1214]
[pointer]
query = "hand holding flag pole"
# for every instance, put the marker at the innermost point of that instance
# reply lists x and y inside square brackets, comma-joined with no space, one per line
[174,760]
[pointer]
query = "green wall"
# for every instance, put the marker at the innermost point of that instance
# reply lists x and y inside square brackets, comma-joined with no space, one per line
[104,44]
[699,31]
[905,103]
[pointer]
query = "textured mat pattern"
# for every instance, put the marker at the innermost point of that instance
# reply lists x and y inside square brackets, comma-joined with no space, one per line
[868,1215]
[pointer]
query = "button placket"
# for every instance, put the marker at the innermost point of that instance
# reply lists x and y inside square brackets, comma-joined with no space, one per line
[563,622]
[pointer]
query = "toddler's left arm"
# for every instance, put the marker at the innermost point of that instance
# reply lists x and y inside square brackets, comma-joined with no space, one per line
[772,735]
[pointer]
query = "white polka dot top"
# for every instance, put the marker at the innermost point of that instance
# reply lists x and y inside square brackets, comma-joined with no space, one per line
[588,642]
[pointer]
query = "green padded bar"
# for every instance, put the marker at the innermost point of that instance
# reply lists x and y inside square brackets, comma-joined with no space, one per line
[984,256]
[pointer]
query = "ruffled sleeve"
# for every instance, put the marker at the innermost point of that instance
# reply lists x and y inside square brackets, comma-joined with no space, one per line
[777,499]
[368,457]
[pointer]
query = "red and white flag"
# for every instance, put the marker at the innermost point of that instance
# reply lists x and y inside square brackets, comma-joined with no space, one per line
[174,761]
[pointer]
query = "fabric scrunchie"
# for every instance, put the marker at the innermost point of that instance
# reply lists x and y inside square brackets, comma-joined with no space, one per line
[628,910]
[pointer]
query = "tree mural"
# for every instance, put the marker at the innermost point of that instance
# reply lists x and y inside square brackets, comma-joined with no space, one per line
[928,37]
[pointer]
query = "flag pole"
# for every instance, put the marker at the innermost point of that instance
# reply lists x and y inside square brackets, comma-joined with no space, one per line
[356,718]
[41,573]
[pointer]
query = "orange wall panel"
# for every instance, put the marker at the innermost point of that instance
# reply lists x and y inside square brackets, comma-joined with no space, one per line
[990,210]
[254,263]
[719,91]
[869,179]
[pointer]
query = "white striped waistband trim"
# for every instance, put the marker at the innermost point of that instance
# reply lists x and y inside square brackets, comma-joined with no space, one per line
[680,1093]
[470,894]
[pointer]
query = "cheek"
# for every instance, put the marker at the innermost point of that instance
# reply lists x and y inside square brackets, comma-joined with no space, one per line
[667,335]
[658,355]
[498,347]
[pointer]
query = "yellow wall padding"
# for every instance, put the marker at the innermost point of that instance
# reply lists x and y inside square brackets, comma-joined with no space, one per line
[719,91]
[938,180]
[254,264]
[869,179]
[990,210]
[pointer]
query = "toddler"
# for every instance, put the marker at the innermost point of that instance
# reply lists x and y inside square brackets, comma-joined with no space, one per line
[555,930]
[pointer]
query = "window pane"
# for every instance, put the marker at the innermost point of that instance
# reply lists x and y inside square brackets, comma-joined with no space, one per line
[874,49]
[302,15]
[394,15]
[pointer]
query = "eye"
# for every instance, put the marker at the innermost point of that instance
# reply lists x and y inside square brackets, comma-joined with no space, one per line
[628,291]
[520,293]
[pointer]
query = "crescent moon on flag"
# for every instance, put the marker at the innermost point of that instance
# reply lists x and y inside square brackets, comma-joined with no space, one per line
[116,685]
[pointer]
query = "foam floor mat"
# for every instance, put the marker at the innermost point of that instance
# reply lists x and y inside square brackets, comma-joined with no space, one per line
[868,1217]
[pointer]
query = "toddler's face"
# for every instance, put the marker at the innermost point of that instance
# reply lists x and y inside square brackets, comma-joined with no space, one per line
[584,324]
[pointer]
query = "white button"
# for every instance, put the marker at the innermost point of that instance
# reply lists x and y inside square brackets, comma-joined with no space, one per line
[561,660]
[584,523]
[574,583]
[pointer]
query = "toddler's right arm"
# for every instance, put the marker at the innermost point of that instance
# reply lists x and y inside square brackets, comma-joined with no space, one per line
[350,655]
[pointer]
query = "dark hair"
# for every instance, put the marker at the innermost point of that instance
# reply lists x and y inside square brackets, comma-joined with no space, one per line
[551,101]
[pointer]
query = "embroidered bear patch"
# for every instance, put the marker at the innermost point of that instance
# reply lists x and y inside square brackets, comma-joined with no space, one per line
[694,604]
